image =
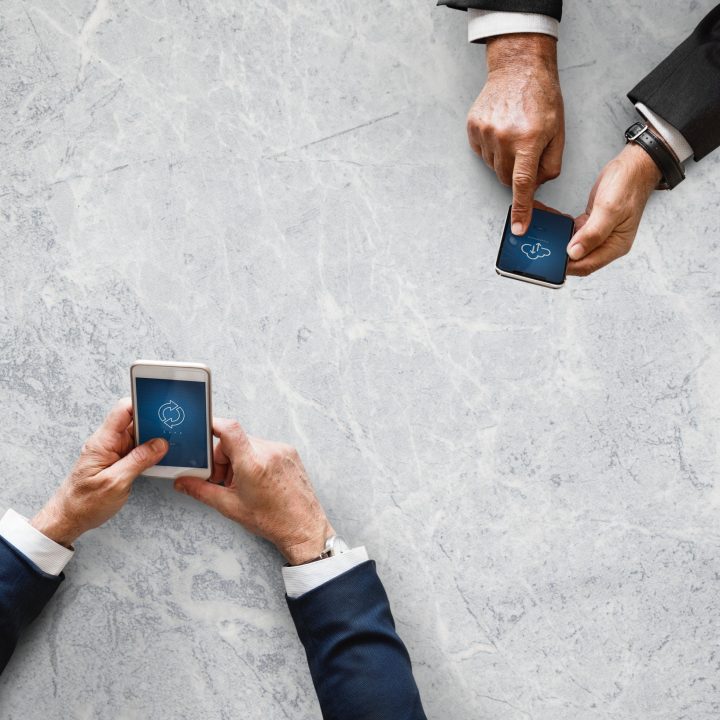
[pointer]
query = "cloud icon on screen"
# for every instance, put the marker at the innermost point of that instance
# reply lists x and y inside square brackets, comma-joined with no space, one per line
[535,251]
[171,414]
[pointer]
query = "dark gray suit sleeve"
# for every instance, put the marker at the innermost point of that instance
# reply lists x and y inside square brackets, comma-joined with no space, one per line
[684,89]
[24,591]
[553,8]
[358,663]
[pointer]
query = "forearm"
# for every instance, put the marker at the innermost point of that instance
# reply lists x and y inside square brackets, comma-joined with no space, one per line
[684,89]
[358,663]
[24,592]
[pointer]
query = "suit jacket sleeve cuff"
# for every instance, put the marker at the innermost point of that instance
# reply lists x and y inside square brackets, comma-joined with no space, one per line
[43,552]
[300,579]
[670,134]
[483,24]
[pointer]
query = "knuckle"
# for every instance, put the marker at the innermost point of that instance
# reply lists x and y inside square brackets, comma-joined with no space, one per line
[258,468]
[476,126]
[523,180]
[552,173]
[504,135]
[292,453]
[527,136]
[611,205]
[142,454]
[90,446]
[234,427]
[274,465]
[280,459]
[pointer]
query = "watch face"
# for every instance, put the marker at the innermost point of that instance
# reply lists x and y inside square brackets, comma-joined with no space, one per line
[339,546]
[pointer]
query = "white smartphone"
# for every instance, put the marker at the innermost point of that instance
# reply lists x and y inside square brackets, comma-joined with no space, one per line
[172,400]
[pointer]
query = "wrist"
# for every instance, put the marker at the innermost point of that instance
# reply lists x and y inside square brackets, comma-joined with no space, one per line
[645,167]
[522,50]
[54,525]
[299,552]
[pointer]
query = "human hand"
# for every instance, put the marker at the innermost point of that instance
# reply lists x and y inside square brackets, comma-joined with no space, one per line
[100,483]
[517,123]
[607,228]
[263,486]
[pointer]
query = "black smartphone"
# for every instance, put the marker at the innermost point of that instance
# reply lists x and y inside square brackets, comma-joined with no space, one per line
[539,256]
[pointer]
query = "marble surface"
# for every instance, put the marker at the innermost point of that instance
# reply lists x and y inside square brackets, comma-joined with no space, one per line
[284,191]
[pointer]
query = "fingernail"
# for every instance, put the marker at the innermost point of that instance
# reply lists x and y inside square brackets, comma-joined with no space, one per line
[180,488]
[517,228]
[576,251]
[158,445]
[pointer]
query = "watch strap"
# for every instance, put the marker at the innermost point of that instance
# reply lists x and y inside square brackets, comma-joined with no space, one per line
[334,545]
[670,167]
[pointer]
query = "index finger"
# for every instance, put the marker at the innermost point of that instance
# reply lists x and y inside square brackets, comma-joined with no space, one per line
[234,441]
[220,463]
[524,184]
[119,418]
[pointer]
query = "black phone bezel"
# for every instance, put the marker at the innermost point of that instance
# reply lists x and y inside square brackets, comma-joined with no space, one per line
[519,273]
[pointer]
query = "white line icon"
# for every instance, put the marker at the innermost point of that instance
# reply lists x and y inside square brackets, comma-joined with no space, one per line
[171,414]
[535,251]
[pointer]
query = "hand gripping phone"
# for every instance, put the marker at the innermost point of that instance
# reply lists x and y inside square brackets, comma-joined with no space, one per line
[172,400]
[539,256]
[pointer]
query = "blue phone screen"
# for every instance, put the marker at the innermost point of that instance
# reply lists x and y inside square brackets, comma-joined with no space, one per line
[177,411]
[541,253]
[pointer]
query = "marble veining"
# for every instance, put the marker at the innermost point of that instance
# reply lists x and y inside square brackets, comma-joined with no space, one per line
[284,191]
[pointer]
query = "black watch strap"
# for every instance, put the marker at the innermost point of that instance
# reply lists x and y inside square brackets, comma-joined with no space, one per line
[670,167]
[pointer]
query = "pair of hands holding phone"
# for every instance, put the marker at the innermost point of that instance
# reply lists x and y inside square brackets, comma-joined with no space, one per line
[262,485]
[517,126]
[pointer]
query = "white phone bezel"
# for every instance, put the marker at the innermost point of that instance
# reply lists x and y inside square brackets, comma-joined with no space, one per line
[169,370]
[507,274]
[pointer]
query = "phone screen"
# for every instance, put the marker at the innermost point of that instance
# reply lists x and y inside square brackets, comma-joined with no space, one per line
[540,254]
[177,411]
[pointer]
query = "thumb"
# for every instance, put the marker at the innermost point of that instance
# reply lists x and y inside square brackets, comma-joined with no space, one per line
[216,496]
[593,233]
[141,458]
[524,182]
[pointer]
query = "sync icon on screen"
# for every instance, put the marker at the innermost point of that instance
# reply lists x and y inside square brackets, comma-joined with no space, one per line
[171,414]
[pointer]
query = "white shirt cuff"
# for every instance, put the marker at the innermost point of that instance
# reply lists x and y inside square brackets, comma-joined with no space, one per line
[483,24]
[50,557]
[300,579]
[669,133]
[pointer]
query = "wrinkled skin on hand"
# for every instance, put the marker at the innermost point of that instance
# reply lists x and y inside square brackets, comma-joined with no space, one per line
[263,486]
[100,483]
[607,228]
[517,123]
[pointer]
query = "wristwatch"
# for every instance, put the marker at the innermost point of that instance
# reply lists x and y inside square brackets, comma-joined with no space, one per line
[334,545]
[670,167]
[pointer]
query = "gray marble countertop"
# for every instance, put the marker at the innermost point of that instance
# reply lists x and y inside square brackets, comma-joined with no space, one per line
[284,191]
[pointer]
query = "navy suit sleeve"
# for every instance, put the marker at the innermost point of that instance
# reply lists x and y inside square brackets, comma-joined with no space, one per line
[553,8]
[359,665]
[684,89]
[24,591]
